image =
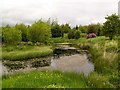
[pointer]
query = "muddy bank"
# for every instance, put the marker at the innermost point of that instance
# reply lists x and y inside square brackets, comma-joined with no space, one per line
[13,66]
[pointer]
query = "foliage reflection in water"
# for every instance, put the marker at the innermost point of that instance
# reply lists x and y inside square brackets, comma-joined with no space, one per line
[76,63]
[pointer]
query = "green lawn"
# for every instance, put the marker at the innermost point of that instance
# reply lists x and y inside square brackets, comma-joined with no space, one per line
[45,79]
[25,52]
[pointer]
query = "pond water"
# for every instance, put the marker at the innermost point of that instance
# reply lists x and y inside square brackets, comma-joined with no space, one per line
[76,63]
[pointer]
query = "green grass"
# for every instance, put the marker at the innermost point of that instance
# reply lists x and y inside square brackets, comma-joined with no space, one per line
[104,56]
[25,52]
[96,80]
[45,79]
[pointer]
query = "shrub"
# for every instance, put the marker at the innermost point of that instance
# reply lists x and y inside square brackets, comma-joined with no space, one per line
[56,31]
[71,34]
[23,30]
[77,34]
[115,78]
[112,26]
[91,29]
[83,35]
[39,32]
[12,35]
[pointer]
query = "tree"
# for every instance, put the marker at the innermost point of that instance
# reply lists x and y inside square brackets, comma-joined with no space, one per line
[92,29]
[56,31]
[83,29]
[49,21]
[12,35]
[0,34]
[76,27]
[39,32]
[98,28]
[65,28]
[77,34]
[71,34]
[112,26]
[23,30]
[54,22]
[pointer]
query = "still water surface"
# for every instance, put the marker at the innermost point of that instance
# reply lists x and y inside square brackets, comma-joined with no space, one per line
[76,63]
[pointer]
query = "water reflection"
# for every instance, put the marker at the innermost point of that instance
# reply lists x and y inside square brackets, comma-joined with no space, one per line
[77,63]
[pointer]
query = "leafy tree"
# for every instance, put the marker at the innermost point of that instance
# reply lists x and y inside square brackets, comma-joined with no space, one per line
[83,29]
[11,35]
[0,34]
[54,22]
[56,31]
[7,26]
[49,21]
[39,32]
[23,30]
[92,29]
[112,26]
[65,28]
[3,29]
[74,33]
[71,34]
[98,29]
[76,27]
[77,34]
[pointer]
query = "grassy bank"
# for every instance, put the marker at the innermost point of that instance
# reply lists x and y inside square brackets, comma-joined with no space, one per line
[105,58]
[45,79]
[104,54]
[25,52]
[55,79]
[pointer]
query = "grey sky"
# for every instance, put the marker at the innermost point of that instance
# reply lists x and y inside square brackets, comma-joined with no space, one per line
[66,11]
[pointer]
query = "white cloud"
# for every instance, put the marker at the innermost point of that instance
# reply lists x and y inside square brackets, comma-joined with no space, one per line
[71,11]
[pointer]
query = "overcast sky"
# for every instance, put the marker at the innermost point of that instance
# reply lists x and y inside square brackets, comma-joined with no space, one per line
[66,11]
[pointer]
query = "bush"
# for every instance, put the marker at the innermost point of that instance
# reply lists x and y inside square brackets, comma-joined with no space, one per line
[56,31]
[23,30]
[111,27]
[83,35]
[91,29]
[39,32]
[115,78]
[71,34]
[12,35]
[77,34]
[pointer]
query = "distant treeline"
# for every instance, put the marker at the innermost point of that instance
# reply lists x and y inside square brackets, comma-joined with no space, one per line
[41,31]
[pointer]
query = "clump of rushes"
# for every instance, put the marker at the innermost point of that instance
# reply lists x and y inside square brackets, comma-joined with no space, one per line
[105,59]
[96,80]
